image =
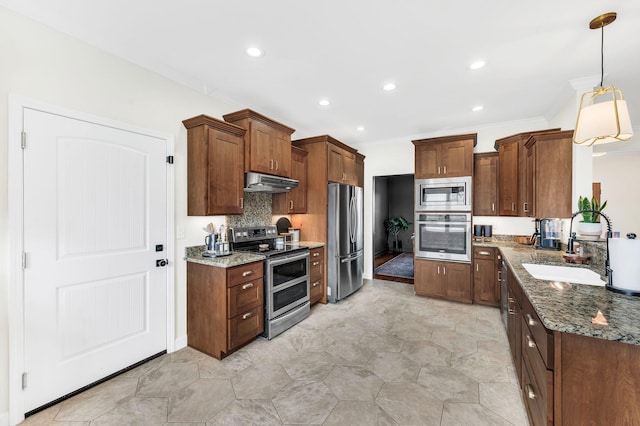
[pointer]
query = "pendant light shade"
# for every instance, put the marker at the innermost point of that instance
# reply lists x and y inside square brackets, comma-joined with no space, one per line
[603,119]
[603,116]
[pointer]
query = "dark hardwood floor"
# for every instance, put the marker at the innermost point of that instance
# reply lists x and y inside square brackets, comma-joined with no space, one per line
[383,258]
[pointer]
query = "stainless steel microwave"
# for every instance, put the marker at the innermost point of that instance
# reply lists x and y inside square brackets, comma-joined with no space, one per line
[443,194]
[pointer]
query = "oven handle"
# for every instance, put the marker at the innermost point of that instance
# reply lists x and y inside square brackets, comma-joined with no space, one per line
[287,259]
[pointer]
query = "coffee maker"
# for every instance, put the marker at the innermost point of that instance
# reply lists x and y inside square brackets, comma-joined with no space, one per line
[548,232]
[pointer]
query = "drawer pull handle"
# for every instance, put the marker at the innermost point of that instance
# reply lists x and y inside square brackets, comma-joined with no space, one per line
[484,253]
[530,342]
[247,315]
[530,320]
[530,393]
[315,284]
[316,254]
[316,263]
[247,286]
[500,276]
[247,273]
[493,207]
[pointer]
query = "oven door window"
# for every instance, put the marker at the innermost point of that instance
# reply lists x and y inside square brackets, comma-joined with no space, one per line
[443,238]
[288,272]
[289,296]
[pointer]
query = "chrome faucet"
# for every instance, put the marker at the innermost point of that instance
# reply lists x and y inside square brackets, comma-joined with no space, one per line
[572,239]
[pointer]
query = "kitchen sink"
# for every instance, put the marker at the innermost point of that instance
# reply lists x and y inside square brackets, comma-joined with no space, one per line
[563,273]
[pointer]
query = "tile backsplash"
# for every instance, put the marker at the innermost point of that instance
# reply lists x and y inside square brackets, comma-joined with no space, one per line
[257,211]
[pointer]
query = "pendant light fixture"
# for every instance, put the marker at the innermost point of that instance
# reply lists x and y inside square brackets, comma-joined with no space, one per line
[603,116]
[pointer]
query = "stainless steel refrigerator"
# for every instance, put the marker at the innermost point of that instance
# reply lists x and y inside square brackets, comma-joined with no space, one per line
[345,241]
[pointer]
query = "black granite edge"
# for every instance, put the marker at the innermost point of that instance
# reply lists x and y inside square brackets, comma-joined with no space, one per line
[571,308]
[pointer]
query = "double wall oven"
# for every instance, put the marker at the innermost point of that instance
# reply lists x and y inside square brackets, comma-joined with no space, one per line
[443,219]
[286,276]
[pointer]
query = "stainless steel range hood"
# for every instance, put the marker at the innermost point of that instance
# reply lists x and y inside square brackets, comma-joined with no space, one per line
[258,182]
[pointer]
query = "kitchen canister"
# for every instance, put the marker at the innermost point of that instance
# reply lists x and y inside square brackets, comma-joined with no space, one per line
[295,235]
[623,258]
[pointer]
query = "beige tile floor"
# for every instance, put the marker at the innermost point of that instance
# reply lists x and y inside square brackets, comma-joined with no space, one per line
[381,357]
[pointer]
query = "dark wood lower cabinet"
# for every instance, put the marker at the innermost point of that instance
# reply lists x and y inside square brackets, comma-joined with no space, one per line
[569,379]
[447,280]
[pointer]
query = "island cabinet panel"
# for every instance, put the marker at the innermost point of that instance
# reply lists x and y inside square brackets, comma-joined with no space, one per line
[267,143]
[449,156]
[215,177]
[448,280]
[599,381]
[294,201]
[224,307]
[485,184]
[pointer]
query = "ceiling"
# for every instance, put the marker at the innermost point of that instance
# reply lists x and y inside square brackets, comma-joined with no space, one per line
[346,50]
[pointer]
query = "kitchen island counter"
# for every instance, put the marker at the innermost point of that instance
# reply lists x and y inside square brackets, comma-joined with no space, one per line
[570,308]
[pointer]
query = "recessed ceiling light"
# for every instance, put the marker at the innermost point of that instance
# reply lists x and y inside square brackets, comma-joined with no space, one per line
[324,102]
[477,108]
[360,128]
[255,52]
[598,154]
[389,87]
[477,65]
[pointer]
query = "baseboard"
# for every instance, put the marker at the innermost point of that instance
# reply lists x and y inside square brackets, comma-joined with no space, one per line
[180,342]
[4,419]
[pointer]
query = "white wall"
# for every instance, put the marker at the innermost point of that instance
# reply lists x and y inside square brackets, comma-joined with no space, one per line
[616,172]
[45,65]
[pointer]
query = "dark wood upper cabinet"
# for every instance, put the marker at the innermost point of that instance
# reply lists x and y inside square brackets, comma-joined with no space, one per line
[294,201]
[267,143]
[485,184]
[448,156]
[215,176]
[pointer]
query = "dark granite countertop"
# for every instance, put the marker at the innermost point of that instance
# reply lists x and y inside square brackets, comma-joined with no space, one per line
[569,308]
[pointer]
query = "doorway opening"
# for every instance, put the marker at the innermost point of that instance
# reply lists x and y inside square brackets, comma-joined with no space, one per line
[393,254]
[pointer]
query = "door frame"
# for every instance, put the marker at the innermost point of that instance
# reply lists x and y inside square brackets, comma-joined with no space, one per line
[15,299]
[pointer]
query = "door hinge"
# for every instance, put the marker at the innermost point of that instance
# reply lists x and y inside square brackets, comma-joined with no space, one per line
[24,380]
[24,260]
[170,159]
[23,140]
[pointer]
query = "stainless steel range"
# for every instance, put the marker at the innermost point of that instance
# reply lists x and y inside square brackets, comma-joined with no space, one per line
[286,276]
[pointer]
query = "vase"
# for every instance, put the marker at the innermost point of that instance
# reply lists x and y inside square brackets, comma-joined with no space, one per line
[590,231]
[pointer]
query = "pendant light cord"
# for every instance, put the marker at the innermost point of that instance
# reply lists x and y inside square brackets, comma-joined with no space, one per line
[602,57]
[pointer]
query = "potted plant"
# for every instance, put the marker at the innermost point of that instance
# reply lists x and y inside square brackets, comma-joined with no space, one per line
[394,226]
[590,227]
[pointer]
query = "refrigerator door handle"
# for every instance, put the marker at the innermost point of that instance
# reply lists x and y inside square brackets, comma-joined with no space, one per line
[351,257]
[353,220]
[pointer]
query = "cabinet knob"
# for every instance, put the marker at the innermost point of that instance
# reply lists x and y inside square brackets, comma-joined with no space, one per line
[291,205]
[277,165]
[513,207]
[247,315]
[316,254]
[242,203]
[315,284]
[445,170]
[525,206]
[493,207]
[444,270]
[247,273]
[477,268]
[530,320]
[484,253]
[247,286]
[530,342]
[315,263]
[438,169]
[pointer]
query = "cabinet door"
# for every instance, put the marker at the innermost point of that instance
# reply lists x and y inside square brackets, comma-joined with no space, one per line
[349,168]
[428,279]
[508,179]
[360,170]
[225,184]
[456,158]
[335,166]
[261,149]
[484,282]
[298,196]
[528,204]
[427,158]
[485,184]
[513,329]
[457,281]
[281,154]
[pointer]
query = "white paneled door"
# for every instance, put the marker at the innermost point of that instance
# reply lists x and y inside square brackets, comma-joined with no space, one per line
[94,213]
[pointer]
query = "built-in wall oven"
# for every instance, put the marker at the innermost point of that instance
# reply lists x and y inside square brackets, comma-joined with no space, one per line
[443,194]
[443,236]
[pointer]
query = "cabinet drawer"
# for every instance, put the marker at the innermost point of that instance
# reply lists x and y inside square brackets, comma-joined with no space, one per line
[245,326]
[245,296]
[244,273]
[316,253]
[537,390]
[316,289]
[316,268]
[484,253]
[539,335]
